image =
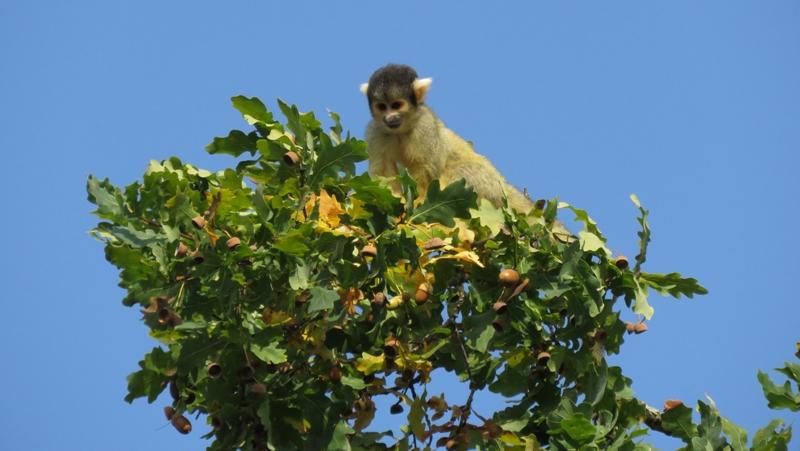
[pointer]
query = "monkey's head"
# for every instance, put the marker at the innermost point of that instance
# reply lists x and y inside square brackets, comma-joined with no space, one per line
[394,93]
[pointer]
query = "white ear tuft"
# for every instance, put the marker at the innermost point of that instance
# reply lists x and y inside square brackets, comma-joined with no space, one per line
[421,86]
[363,88]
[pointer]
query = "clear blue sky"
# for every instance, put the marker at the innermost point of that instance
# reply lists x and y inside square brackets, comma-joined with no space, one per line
[694,106]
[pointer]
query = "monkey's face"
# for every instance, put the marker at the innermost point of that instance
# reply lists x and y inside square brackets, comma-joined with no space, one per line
[392,113]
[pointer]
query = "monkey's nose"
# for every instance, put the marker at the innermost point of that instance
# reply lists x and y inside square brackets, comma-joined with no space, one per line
[393,121]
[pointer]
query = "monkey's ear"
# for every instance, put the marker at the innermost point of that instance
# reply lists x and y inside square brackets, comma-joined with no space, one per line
[421,86]
[363,88]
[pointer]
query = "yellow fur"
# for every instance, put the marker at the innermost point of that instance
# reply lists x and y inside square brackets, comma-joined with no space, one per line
[429,151]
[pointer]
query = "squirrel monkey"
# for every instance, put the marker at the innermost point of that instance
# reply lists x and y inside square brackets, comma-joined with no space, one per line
[404,131]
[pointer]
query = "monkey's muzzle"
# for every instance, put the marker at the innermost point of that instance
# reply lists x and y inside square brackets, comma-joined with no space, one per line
[392,121]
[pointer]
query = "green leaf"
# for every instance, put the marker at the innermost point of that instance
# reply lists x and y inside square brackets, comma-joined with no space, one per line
[773,437]
[415,415]
[443,205]
[253,110]
[641,305]
[579,428]
[372,192]
[779,397]
[270,353]
[236,143]
[108,198]
[592,243]
[321,299]
[339,441]
[678,422]
[293,243]
[736,434]
[673,284]
[335,158]
[489,216]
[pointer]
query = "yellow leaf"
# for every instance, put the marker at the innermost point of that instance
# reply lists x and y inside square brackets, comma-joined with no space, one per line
[463,257]
[403,279]
[329,209]
[511,439]
[369,364]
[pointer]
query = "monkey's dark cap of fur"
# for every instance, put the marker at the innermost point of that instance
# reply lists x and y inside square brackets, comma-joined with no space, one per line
[392,77]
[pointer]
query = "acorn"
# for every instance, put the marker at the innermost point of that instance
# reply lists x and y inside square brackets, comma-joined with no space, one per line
[334,337]
[182,250]
[302,298]
[173,391]
[291,158]
[630,327]
[181,424]
[509,277]
[395,302]
[258,388]
[672,403]
[621,262]
[335,374]
[396,409]
[197,257]
[543,357]
[498,325]
[216,423]
[451,443]
[423,291]
[199,222]
[233,242]
[378,299]
[434,243]
[369,250]
[246,373]
[169,412]
[500,307]
[214,370]
[640,328]
[390,347]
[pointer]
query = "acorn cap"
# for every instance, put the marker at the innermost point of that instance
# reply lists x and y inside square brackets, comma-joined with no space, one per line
[509,277]
[169,412]
[621,262]
[233,242]
[369,250]
[543,357]
[258,388]
[335,374]
[672,403]
[540,204]
[291,158]
[434,243]
[640,328]
[214,370]
[199,222]
[630,327]
[181,250]
[396,409]
[181,424]
[500,307]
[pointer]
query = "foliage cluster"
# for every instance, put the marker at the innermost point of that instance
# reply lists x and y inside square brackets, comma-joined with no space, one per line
[289,293]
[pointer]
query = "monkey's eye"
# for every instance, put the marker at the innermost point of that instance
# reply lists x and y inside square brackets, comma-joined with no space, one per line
[397,105]
[381,106]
